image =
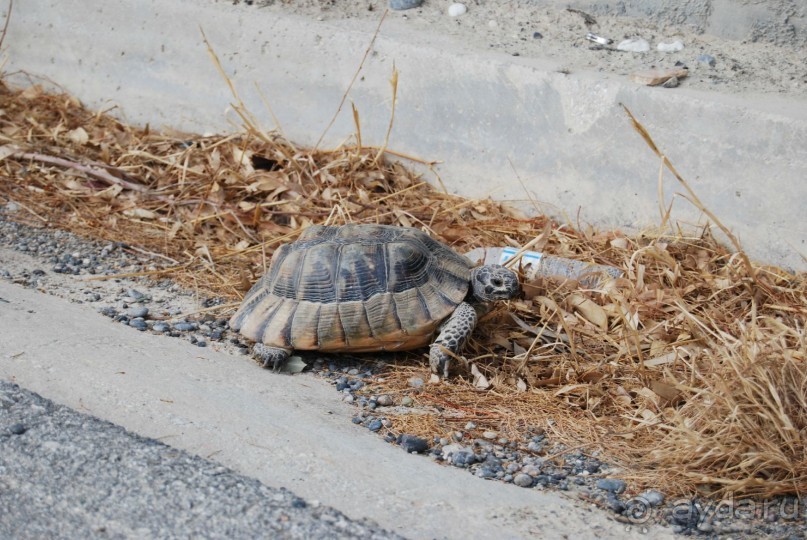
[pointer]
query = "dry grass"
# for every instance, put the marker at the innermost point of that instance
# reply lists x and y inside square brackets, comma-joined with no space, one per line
[690,369]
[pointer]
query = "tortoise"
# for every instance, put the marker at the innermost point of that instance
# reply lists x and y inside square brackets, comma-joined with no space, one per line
[361,288]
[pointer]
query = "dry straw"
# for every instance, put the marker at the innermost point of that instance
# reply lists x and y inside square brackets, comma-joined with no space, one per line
[690,370]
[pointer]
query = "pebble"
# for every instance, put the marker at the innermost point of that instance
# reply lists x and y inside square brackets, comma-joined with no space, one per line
[535,446]
[400,5]
[185,326]
[458,455]
[17,429]
[470,426]
[375,425]
[705,527]
[672,82]
[407,401]
[613,485]
[522,480]
[135,294]
[413,444]
[140,311]
[707,59]
[416,382]
[485,472]
[138,323]
[675,46]
[653,497]
[634,45]
[384,400]
[490,435]
[537,35]
[686,515]
[457,9]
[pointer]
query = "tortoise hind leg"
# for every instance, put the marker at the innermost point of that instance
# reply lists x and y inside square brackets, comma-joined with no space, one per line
[453,335]
[271,356]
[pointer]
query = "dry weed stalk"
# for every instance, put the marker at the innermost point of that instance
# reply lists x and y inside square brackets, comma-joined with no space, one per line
[691,368]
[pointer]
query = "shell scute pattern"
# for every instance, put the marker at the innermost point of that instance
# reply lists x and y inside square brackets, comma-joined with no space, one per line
[354,288]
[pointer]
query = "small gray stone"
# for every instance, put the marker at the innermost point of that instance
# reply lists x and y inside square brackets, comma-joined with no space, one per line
[384,400]
[17,429]
[411,444]
[375,425]
[653,497]
[705,527]
[160,327]
[485,472]
[416,382]
[672,82]
[458,455]
[707,59]
[185,326]
[138,323]
[469,426]
[400,5]
[139,311]
[135,294]
[535,447]
[613,485]
[407,401]
[522,480]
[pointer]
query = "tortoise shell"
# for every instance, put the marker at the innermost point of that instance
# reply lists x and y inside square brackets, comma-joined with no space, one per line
[354,288]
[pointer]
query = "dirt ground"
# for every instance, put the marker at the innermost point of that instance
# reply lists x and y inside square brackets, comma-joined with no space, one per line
[520,28]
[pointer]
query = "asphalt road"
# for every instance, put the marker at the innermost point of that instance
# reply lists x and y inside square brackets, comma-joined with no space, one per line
[64,474]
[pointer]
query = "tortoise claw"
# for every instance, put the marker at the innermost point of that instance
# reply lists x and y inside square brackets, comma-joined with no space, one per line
[270,357]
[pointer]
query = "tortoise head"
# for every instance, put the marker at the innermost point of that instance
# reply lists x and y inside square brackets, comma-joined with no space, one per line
[493,282]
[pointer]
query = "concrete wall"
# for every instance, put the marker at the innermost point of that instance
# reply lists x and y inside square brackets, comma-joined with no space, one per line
[566,135]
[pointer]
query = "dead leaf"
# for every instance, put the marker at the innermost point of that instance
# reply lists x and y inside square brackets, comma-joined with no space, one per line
[590,311]
[666,391]
[7,150]
[141,213]
[480,381]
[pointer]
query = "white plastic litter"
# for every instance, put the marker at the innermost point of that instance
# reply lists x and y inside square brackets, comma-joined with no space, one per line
[534,264]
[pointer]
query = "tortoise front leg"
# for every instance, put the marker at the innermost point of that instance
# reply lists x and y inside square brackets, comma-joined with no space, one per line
[453,335]
[274,356]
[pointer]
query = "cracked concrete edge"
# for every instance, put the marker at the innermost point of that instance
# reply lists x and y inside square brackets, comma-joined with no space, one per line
[565,134]
[290,432]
